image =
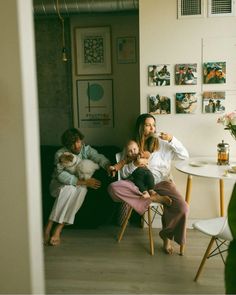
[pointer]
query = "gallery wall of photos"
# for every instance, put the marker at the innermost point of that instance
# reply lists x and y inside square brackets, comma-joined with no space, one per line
[159,76]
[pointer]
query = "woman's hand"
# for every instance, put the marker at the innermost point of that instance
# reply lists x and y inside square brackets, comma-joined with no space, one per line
[91,182]
[166,136]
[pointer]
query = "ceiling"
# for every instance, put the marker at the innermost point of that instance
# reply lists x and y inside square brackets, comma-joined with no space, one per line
[69,7]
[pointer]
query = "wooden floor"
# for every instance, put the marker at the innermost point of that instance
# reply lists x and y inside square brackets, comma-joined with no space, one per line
[93,262]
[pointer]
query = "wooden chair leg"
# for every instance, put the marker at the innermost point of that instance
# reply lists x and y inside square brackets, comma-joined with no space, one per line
[182,247]
[124,224]
[150,231]
[181,250]
[204,258]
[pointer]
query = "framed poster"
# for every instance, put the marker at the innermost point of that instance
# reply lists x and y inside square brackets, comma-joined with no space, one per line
[95,103]
[93,51]
[126,50]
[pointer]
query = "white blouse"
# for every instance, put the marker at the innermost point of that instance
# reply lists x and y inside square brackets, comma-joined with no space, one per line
[160,160]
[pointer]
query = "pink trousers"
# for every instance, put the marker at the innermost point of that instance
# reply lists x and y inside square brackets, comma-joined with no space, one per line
[174,217]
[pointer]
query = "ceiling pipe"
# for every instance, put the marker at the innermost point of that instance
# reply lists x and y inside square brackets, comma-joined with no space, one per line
[69,7]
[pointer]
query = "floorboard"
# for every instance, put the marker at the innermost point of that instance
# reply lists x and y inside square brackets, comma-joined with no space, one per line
[93,262]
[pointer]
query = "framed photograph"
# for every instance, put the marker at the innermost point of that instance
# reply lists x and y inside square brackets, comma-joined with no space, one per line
[214,72]
[186,74]
[159,75]
[93,51]
[95,103]
[126,50]
[186,102]
[213,102]
[159,105]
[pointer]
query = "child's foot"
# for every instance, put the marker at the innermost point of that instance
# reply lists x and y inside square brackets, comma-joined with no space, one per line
[164,200]
[55,240]
[145,195]
[151,191]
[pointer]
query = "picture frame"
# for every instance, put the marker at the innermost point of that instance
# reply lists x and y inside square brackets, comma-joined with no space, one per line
[213,102]
[93,50]
[186,102]
[214,72]
[186,74]
[159,75]
[95,103]
[159,104]
[126,50]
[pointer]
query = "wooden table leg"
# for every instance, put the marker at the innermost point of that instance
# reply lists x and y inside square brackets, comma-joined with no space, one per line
[222,193]
[187,199]
[188,189]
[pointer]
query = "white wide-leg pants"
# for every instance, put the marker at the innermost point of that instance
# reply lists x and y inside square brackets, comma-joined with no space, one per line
[68,203]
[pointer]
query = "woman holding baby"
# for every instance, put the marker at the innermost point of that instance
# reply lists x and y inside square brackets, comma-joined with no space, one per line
[67,188]
[163,149]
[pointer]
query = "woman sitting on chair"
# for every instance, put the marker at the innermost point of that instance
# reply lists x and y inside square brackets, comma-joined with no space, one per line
[142,177]
[163,150]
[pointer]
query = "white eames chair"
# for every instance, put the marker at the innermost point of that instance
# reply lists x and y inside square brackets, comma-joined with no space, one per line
[219,231]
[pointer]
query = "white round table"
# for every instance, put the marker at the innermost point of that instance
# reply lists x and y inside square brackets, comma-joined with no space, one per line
[206,167]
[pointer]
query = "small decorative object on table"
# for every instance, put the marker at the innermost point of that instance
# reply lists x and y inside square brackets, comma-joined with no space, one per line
[229,121]
[223,153]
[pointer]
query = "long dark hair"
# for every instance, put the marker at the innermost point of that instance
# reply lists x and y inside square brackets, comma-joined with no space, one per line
[151,143]
[70,136]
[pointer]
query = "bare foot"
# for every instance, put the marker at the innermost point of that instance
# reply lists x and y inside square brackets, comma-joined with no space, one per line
[145,195]
[46,238]
[167,246]
[55,240]
[151,191]
[165,200]
[56,237]
[47,232]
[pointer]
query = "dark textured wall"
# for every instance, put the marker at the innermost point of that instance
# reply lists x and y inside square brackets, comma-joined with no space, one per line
[54,79]
[57,90]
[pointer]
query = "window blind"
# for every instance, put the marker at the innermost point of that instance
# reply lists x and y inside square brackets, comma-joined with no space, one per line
[190,8]
[219,7]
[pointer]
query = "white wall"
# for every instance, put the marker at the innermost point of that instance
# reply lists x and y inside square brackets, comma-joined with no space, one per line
[21,254]
[164,39]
